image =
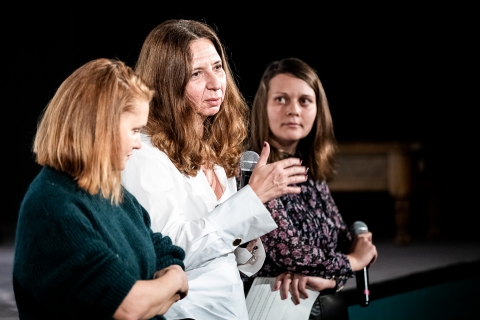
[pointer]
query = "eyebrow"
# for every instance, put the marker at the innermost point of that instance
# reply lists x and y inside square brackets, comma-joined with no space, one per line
[219,61]
[301,96]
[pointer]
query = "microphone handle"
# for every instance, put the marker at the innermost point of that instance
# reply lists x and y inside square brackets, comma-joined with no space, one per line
[244,178]
[363,290]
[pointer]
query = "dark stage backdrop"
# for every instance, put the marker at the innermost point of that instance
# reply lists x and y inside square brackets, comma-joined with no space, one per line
[393,73]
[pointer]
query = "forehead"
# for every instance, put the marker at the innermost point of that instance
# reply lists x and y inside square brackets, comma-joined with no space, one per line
[139,106]
[203,50]
[287,83]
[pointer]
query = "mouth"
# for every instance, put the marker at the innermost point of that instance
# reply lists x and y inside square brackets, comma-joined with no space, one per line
[292,124]
[214,101]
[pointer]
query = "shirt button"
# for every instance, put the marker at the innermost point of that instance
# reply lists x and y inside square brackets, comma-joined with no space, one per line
[237,241]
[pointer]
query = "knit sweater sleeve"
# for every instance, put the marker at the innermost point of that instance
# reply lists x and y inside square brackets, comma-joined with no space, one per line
[166,252]
[75,272]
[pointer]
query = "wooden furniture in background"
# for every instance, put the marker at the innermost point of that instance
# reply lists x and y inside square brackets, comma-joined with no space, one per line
[379,166]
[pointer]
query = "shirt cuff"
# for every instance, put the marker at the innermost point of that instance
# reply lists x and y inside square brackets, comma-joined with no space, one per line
[250,264]
[241,218]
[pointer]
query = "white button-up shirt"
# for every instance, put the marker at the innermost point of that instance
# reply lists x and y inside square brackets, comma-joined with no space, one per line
[186,209]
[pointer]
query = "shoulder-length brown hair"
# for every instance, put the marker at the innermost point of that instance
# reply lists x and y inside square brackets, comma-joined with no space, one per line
[165,62]
[79,130]
[318,148]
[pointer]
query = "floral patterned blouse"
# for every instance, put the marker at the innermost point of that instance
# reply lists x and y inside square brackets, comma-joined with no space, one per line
[311,237]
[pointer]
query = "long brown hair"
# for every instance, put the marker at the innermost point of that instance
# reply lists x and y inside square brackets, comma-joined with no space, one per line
[165,64]
[318,148]
[79,129]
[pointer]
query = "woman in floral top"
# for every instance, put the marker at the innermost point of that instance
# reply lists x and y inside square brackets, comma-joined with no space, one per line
[312,245]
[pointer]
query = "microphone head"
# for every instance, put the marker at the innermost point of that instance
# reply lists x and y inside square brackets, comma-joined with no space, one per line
[248,160]
[358,227]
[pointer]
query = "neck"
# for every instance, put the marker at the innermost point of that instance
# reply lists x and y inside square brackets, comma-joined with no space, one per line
[199,125]
[289,148]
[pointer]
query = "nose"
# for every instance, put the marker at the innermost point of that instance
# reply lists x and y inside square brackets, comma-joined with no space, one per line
[213,81]
[293,109]
[137,143]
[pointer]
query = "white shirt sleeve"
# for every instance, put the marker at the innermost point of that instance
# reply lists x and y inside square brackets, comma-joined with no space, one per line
[179,207]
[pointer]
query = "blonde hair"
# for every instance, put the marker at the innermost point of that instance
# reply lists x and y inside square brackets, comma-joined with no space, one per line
[165,64]
[318,149]
[79,130]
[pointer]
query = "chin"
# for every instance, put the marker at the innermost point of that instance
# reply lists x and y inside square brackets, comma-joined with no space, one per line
[210,111]
[293,138]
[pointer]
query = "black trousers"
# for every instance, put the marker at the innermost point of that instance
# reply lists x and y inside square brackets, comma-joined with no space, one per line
[329,306]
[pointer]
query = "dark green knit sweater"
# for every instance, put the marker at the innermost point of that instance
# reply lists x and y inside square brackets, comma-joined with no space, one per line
[77,256]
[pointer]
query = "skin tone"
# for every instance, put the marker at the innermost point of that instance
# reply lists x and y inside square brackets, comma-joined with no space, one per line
[291,111]
[362,253]
[147,298]
[131,123]
[206,89]
[208,82]
[297,285]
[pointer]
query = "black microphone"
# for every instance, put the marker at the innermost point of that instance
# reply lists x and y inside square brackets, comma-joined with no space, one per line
[363,290]
[248,160]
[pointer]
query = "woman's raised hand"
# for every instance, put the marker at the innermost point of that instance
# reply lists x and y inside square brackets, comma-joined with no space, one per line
[272,180]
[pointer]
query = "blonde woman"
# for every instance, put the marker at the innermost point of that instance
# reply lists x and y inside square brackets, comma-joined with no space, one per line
[84,248]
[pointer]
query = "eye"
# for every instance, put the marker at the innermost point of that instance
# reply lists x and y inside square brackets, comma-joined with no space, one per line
[218,67]
[196,75]
[305,101]
[279,99]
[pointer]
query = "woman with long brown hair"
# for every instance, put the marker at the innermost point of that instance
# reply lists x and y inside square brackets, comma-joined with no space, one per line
[312,246]
[185,175]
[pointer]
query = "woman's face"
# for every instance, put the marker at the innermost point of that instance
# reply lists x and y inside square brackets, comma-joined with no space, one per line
[207,84]
[131,123]
[291,110]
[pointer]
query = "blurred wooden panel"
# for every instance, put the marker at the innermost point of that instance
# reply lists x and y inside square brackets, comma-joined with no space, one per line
[378,166]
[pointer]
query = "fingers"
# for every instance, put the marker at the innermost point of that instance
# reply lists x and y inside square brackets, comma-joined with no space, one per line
[370,247]
[279,281]
[375,255]
[293,283]
[264,155]
[290,167]
[285,288]
[363,252]
[302,287]
[270,181]
[294,289]
[289,163]
[287,173]
[367,235]
[182,294]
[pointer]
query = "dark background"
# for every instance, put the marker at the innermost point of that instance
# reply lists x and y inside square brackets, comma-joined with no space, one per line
[390,74]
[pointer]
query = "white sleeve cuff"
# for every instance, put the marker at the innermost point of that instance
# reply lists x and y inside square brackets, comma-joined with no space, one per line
[244,261]
[241,218]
